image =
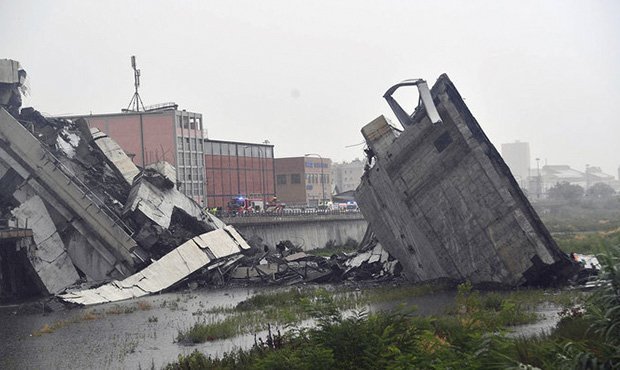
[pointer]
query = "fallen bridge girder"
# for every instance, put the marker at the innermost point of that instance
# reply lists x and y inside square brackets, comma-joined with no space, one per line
[443,202]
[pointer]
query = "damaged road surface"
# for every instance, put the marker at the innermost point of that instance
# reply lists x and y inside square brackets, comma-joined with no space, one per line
[442,201]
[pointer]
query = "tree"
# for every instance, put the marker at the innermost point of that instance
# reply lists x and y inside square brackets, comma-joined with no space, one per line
[600,190]
[565,191]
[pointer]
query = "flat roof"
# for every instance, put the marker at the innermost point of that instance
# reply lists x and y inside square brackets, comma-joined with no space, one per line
[126,113]
[238,142]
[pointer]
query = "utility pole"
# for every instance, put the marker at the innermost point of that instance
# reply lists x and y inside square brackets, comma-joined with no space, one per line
[539,181]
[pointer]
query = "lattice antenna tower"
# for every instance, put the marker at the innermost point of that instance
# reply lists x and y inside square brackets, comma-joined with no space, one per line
[136,101]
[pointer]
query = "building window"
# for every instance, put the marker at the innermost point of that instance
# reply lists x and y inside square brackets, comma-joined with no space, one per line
[295,178]
[281,179]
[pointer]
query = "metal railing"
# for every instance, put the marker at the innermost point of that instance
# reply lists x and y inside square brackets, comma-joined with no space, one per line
[85,190]
[287,213]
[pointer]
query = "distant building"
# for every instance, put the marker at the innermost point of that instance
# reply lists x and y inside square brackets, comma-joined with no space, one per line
[346,175]
[303,181]
[209,171]
[553,174]
[162,134]
[550,175]
[595,175]
[238,169]
[517,157]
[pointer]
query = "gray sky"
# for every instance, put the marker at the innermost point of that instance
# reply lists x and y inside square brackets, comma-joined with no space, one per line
[307,75]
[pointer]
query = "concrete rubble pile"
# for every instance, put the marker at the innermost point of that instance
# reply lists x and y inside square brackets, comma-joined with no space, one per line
[95,217]
[290,266]
[441,200]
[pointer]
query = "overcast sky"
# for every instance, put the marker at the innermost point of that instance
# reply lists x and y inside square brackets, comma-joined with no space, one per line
[307,75]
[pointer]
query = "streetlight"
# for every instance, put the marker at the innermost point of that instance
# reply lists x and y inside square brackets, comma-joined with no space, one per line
[587,177]
[539,182]
[322,178]
[260,168]
[245,170]
[262,175]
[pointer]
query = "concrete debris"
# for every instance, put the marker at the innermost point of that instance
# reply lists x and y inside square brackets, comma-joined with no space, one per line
[161,174]
[440,198]
[12,79]
[189,257]
[93,215]
[289,266]
[117,159]
[48,257]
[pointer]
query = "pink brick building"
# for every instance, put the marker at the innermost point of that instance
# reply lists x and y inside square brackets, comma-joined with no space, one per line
[238,169]
[169,134]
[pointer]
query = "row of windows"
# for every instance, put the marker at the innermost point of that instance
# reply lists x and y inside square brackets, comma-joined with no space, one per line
[191,122]
[190,159]
[189,144]
[311,178]
[190,189]
[239,150]
[189,174]
[317,178]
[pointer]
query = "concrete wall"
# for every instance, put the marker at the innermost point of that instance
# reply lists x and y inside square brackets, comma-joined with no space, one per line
[155,131]
[309,232]
[287,192]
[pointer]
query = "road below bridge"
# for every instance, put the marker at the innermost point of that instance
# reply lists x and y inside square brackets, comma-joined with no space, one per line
[308,230]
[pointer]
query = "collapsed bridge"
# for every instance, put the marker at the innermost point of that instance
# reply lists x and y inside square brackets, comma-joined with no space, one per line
[441,200]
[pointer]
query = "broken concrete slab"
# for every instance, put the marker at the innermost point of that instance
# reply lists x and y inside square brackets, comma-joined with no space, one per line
[157,204]
[442,201]
[41,166]
[168,270]
[162,174]
[47,254]
[116,156]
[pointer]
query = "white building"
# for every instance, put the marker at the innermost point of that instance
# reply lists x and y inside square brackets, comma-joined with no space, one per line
[347,175]
[517,157]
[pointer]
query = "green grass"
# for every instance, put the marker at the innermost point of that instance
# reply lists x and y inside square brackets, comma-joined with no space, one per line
[593,215]
[252,315]
[214,330]
[589,243]
[403,292]
[289,307]
[331,248]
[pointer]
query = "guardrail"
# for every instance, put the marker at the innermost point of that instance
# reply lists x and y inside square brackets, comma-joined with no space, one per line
[85,190]
[285,213]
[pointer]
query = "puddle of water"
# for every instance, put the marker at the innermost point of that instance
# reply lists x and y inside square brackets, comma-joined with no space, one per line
[125,340]
[548,319]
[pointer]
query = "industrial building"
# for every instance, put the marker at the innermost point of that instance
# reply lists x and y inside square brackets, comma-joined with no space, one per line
[238,169]
[208,171]
[163,133]
[303,181]
[550,175]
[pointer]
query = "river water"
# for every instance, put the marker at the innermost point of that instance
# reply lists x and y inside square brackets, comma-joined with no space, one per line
[146,336]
